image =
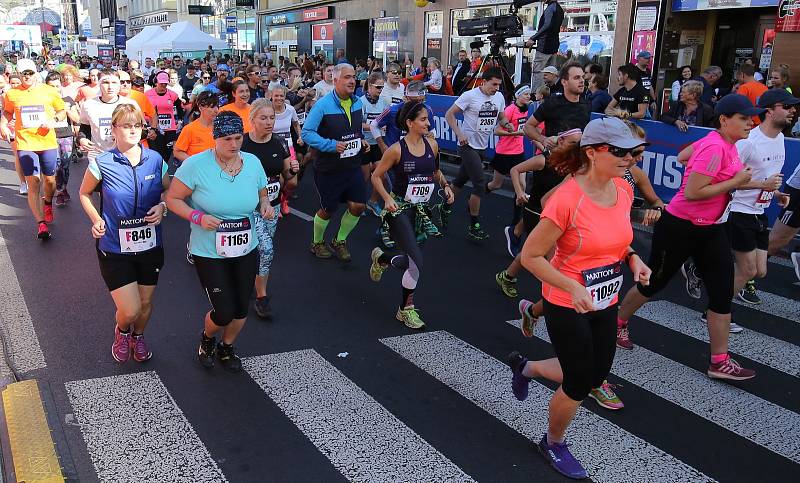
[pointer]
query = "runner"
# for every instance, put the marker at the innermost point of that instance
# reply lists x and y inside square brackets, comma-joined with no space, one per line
[14,81]
[333,128]
[91,89]
[238,103]
[373,105]
[169,110]
[414,161]
[788,223]
[197,136]
[95,135]
[287,127]
[65,138]
[587,221]
[36,108]
[279,167]
[222,186]
[126,89]
[132,181]
[692,225]
[394,91]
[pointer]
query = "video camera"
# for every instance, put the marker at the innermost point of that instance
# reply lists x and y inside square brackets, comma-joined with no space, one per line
[503,26]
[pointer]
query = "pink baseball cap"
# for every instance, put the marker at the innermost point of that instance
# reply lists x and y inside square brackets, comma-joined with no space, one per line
[162,78]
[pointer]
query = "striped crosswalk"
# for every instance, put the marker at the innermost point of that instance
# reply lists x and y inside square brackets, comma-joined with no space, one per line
[776,305]
[365,442]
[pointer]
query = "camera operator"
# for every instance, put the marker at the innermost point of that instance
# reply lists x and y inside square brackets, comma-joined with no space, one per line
[546,38]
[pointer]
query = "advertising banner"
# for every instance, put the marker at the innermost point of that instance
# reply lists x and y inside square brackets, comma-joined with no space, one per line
[230,24]
[120,35]
[788,19]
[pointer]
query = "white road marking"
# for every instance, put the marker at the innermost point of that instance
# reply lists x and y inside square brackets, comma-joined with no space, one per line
[363,441]
[775,305]
[738,411]
[25,352]
[608,452]
[135,431]
[780,355]
[300,214]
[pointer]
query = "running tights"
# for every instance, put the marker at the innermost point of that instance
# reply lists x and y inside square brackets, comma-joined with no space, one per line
[401,228]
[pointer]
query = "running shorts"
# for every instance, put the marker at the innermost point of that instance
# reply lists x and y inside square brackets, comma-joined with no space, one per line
[790,216]
[340,187]
[34,163]
[502,163]
[373,156]
[748,232]
[142,268]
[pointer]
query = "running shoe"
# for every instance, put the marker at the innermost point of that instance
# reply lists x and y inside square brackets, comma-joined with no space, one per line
[228,358]
[67,197]
[443,210]
[735,328]
[262,308]
[121,348]
[513,242]
[321,250]
[284,204]
[729,369]
[410,317]
[60,201]
[476,233]
[560,458]
[374,208]
[430,228]
[694,283]
[624,339]
[748,294]
[140,350]
[606,397]
[189,256]
[23,188]
[507,284]
[519,383]
[207,351]
[795,256]
[43,231]
[528,318]
[386,238]
[341,251]
[48,213]
[376,269]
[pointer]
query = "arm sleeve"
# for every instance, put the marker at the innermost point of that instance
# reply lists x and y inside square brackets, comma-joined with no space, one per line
[559,209]
[310,134]
[463,101]
[548,20]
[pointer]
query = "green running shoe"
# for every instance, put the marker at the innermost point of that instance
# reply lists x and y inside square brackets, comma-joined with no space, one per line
[341,251]
[410,317]
[476,233]
[507,284]
[376,269]
[320,250]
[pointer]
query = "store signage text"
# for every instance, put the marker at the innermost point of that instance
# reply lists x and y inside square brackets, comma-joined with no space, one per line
[297,16]
[154,19]
[387,28]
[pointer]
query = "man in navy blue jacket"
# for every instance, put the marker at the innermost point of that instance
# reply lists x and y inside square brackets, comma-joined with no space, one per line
[333,130]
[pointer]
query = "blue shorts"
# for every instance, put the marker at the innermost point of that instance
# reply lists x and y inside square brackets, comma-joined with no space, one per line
[34,163]
[340,187]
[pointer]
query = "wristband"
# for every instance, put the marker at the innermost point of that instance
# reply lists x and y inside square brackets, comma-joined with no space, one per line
[196,217]
[628,257]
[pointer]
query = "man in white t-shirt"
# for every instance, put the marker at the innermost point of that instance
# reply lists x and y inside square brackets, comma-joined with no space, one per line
[95,115]
[483,108]
[763,151]
[325,86]
[393,91]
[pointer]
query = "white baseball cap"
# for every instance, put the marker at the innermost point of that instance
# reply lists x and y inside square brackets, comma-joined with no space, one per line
[26,64]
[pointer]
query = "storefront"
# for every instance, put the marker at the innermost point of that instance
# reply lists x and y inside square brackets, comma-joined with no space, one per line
[386,35]
[322,39]
[297,31]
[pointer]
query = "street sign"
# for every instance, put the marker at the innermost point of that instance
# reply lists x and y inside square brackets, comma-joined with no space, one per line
[230,23]
[201,10]
[62,34]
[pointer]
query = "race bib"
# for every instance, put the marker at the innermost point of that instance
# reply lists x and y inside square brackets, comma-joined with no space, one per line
[396,100]
[136,235]
[352,148]
[764,199]
[603,284]
[420,189]
[105,127]
[301,118]
[165,122]
[273,188]
[31,116]
[487,117]
[233,238]
[724,217]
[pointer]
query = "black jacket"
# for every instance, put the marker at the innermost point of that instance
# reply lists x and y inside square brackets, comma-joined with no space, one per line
[548,29]
[461,76]
[705,114]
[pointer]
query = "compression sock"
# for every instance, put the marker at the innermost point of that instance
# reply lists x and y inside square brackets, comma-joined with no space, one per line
[621,323]
[347,224]
[408,297]
[319,228]
[717,358]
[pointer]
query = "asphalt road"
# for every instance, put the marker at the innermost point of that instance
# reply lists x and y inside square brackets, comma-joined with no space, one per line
[335,389]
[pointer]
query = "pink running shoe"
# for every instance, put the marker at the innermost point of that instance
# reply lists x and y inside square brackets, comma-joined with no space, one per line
[623,339]
[141,352]
[528,318]
[731,370]
[121,348]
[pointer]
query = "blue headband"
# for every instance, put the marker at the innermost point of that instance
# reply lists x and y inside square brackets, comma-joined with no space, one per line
[227,123]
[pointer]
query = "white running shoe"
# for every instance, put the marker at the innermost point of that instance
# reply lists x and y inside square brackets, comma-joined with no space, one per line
[23,188]
[796,262]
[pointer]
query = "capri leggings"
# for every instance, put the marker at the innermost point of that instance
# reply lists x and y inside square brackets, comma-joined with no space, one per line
[62,168]
[228,283]
[471,169]
[401,228]
[265,231]
[674,241]
[585,345]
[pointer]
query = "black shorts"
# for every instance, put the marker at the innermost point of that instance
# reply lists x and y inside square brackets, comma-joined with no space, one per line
[541,183]
[119,270]
[340,187]
[373,156]
[748,232]
[790,216]
[502,163]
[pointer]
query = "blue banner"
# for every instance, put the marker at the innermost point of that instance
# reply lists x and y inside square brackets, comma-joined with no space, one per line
[120,35]
[660,160]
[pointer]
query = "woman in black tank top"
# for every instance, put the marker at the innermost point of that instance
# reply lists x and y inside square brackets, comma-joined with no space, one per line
[414,161]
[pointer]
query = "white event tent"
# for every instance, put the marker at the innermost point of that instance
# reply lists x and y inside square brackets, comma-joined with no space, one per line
[183,37]
[135,46]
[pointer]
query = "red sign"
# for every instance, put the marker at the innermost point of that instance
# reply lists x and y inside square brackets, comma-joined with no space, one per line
[788,16]
[319,13]
[322,32]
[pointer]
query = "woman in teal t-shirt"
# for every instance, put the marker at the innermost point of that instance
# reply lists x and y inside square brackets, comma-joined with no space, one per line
[217,190]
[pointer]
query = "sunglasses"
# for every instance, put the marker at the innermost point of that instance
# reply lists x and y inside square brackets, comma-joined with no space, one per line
[394,72]
[27,73]
[124,82]
[378,87]
[205,77]
[621,152]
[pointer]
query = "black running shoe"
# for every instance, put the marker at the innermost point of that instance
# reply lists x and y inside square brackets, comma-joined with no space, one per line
[263,309]
[228,358]
[206,351]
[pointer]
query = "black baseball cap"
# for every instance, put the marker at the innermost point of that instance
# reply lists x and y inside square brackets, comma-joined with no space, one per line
[777,96]
[736,104]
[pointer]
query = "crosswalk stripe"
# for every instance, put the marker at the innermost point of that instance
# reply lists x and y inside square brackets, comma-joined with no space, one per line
[749,416]
[363,440]
[775,305]
[780,355]
[135,431]
[608,452]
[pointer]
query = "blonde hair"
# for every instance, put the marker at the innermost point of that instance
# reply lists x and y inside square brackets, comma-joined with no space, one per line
[69,69]
[258,105]
[127,112]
